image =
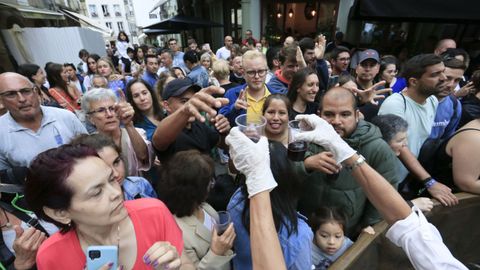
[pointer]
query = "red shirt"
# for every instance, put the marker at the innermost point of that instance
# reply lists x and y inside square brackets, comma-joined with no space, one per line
[151,219]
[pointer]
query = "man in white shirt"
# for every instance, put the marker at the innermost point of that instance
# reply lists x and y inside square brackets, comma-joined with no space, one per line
[224,52]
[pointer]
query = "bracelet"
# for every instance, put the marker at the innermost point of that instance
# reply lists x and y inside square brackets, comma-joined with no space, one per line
[361,160]
[430,183]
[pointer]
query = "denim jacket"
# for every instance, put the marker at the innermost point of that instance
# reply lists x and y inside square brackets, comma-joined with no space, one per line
[135,187]
[296,248]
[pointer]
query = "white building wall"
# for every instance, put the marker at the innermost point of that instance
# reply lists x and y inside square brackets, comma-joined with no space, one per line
[115,19]
[142,10]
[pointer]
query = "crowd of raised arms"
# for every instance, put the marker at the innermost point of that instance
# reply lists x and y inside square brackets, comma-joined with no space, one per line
[142,150]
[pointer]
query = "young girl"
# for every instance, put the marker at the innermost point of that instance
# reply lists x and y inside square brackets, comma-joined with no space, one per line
[329,241]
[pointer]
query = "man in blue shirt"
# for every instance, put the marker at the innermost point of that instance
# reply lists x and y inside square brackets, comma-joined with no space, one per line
[178,54]
[449,108]
[151,69]
[198,73]
[28,128]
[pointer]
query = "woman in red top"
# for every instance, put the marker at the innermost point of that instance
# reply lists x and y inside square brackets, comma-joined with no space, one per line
[76,190]
[65,95]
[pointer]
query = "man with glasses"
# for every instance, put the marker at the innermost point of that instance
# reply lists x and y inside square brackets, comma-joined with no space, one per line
[177,54]
[249,98]
[28,128]
[340,60]
[224,52]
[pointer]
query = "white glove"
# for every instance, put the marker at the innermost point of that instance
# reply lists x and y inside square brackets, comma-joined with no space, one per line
[323,134]
[251,159]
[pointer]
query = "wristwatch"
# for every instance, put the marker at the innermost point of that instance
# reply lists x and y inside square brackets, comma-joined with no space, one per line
[360,160]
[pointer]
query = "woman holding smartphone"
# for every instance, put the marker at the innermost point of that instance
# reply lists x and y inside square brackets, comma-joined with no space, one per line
[75,189]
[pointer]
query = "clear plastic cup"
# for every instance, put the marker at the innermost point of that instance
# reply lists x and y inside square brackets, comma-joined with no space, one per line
[252,127]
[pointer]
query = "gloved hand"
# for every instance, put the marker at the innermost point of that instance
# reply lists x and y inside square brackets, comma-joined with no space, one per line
[251,159]
[323,134]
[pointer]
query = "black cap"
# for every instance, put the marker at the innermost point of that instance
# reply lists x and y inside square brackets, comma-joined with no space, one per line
[177,87]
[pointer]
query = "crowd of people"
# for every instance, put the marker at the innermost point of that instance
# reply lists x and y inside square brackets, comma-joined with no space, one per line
[125,150]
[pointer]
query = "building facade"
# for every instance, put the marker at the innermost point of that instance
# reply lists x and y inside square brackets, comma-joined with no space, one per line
[117,15]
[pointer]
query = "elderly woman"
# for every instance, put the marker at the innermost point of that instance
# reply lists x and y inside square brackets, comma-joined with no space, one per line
[394,132]
[184,186]
[106,114]
[76,190]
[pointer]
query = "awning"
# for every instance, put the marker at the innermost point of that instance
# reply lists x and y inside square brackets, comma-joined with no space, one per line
[182,22]
[29,12]
[447,11]
[89,22]
[159,31]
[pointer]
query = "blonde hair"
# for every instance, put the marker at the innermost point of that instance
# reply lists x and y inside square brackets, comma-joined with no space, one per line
[221,69]
[253,54]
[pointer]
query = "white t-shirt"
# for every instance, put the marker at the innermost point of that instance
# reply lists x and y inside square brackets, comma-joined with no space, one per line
[223,53]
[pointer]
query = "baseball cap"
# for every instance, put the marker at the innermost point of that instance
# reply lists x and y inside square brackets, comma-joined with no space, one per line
[368,54]
[177,87]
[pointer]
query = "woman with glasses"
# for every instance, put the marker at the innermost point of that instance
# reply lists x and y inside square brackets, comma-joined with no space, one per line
[185,182]
[302,92]
[38,77]
[106,114]
[64,94]
[92,70]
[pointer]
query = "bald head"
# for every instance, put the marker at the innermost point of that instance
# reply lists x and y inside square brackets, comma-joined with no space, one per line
[20,97]
[288,41]
[340,94]
[445,44]
[9,78]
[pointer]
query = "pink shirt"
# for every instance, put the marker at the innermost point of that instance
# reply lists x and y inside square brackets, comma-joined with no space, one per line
[151,219]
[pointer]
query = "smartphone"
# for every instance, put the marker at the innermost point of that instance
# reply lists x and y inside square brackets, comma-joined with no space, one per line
[98,256]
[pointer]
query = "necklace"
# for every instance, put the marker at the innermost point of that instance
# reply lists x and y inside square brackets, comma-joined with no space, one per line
[7,223]
[90,244]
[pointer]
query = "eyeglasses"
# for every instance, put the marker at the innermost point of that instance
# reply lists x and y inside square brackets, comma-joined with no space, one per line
[103,110]
[253,73]
[13,94]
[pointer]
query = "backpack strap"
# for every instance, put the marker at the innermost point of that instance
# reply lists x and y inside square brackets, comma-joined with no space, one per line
[32,221]
[404,102]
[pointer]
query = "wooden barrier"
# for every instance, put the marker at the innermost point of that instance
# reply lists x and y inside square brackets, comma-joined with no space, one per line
[459,226]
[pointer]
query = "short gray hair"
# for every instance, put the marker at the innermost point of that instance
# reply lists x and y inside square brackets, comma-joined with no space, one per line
[96,94]
[390,125]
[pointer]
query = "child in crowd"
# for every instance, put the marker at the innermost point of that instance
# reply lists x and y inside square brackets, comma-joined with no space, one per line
[329,241]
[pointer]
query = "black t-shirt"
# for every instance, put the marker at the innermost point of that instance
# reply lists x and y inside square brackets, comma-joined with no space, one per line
[200,137]
[235,79]
[311,108]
